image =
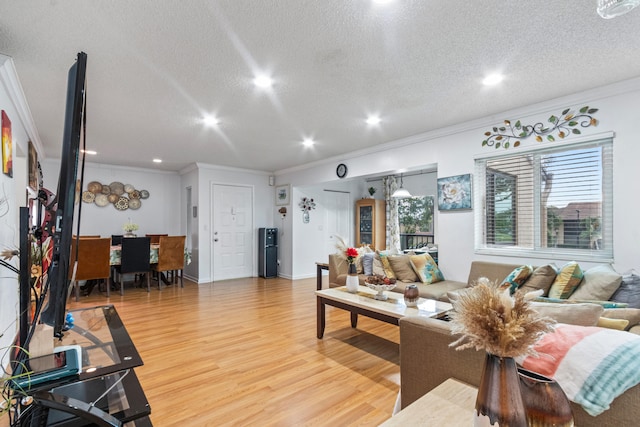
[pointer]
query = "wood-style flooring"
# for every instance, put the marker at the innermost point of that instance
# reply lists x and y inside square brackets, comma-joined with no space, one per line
[244,352]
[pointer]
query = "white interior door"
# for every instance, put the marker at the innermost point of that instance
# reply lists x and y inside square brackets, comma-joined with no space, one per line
[338,219]
[232,232]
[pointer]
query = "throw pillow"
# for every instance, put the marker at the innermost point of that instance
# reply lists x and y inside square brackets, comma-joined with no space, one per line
[402,268]
[619,324]
[573,314]
[386,265]
[541,278]
[378,268]
[367,263]
[517,277]
[630,314]
[629,290]
[599,283]
[567,280]
[426,268]
[604,304]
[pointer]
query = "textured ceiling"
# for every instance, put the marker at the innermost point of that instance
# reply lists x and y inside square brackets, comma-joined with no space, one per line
[155,66]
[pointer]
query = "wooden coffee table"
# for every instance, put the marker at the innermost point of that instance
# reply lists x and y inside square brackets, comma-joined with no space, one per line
[363,303]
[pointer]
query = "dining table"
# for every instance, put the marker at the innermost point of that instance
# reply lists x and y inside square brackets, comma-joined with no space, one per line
[115,254]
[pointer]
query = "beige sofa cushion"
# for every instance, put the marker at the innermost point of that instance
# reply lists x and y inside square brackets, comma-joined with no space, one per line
[402,269]
[541,278]
[583,314]
[599,283]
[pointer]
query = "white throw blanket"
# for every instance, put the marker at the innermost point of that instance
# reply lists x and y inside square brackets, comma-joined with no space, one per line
[592,365]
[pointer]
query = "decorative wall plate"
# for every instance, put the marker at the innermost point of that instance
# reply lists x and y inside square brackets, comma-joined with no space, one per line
[113,198]
[122,204]
[128,188]
[144,194]
[134,204]
[101,200]
[95,187]
[106,189]
[135,194]
[88,197]
[117,188]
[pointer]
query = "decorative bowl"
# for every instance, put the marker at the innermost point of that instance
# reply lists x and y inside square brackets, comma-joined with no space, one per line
[380,289]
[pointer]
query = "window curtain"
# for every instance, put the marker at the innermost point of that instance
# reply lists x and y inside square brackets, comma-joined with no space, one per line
[390,185]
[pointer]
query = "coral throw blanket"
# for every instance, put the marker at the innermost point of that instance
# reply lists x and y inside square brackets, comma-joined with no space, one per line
[592,365]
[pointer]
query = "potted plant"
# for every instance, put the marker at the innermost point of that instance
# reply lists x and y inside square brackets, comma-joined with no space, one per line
[371,191]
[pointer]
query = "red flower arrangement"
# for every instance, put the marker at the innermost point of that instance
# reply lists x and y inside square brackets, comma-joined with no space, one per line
[352,254]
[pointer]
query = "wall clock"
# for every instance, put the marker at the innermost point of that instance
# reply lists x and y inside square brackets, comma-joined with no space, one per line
[341,170]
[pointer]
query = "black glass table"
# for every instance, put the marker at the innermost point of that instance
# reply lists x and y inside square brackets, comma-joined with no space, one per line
[106,386]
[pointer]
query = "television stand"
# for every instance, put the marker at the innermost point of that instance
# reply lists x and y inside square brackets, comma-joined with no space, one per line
[107,376]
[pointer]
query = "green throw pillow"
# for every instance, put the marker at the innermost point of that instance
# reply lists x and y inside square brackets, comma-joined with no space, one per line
[567,281]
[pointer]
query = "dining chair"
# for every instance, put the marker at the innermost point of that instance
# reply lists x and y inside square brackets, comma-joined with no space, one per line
[87,236]
[116,239]
[170,257]
[155,238]
[135,258]
[93,261]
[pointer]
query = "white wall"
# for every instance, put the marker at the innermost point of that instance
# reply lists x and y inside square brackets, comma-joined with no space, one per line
[453,149]
[160,213]
[12,195]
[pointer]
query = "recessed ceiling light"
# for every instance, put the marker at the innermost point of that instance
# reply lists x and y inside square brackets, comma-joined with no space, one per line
[89,152]
[157,160]
[308,142]
[210,120]
[263,81]
[373,120]
[492,79]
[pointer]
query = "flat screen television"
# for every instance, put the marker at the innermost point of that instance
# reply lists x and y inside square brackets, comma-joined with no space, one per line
[54,311]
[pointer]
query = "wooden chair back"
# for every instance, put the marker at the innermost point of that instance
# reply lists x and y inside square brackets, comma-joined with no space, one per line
[87,236]
[171,253]
[93,258]
[116,239]
[155,238]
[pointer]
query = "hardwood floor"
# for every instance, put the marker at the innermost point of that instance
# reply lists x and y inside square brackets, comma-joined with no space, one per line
[245,352]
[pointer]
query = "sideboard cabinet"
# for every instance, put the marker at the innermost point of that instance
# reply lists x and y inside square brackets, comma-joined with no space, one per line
[371,223]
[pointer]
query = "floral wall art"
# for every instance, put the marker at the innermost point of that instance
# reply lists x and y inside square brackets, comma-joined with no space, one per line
[454,192]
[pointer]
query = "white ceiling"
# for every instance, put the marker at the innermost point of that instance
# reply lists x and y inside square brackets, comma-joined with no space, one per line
[155,66]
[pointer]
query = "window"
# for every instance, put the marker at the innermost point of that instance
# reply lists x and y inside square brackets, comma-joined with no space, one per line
[415,217]
[552,202]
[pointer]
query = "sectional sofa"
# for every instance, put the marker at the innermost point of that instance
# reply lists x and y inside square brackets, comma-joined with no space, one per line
[426,360]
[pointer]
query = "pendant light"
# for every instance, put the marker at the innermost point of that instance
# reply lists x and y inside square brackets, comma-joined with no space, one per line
[611,8]
[401,192]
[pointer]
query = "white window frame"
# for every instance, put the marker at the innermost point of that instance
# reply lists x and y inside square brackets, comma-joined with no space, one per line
[538,250]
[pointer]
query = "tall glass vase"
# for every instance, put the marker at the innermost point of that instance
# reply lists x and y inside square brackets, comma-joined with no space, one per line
[545,403]
[499,402]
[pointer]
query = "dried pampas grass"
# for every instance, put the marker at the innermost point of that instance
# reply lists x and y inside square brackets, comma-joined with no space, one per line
[489,319]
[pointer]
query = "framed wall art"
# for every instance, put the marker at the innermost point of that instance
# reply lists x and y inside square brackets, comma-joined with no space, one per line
[454,192]
[283,194]
[7,146]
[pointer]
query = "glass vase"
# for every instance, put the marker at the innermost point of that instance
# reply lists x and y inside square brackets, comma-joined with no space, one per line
[499,402]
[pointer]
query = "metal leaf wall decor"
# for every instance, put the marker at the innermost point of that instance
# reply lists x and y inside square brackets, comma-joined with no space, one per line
[567,123]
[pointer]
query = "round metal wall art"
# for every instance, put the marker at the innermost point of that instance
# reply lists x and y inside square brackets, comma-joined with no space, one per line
[121,196]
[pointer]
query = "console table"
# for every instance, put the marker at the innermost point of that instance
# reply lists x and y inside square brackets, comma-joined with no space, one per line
[106,377]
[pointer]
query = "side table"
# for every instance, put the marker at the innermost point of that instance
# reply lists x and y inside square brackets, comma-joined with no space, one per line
[452,403]
[319,267]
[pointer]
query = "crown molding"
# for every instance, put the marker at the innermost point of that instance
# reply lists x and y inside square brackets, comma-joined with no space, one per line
[11,82]
[586,96]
